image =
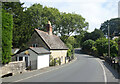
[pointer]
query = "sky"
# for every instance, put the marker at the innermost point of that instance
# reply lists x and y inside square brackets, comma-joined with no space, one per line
[94,11]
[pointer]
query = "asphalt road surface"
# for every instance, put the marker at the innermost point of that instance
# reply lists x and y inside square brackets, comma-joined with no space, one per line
[84,69]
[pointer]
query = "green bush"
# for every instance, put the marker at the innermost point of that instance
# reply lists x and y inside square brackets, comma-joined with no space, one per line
[71,40]
[102,47]
[51,61]
[69,46]
[69,53]
[94,51]
[58,61]
[88,45]
[7,26]
[113,48]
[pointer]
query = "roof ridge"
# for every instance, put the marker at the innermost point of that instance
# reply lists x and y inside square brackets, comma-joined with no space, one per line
[45,32]
[41,31]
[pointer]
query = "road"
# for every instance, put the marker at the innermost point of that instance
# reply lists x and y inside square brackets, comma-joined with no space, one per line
[85,69]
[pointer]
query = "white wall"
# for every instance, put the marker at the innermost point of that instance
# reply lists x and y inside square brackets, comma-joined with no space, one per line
[43,61]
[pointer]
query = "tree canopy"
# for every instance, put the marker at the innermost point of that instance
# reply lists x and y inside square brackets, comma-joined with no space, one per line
[114,26]
[102,47]
[25,20]
[93,35]
[16,9]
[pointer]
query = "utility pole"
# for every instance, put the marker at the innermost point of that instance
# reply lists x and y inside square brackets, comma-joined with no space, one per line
[108,40]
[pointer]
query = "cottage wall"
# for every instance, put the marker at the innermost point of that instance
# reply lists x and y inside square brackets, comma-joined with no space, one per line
[35,39]
[33,59]
[59,53]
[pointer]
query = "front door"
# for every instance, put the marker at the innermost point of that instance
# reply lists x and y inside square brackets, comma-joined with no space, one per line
[26,61]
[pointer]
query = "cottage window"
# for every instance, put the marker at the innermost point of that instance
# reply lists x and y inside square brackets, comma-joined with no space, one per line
[20,58]
[34,45]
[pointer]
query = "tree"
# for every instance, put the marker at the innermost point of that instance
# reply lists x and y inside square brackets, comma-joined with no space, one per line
[33,17]
[88,45]
[78,41]
[7,26]
[71,40]
[102,47]
[53,15]
[25,20]
[70,44]
[93,35]
[72,23]
[16,9]
[32,20]
[96,34]
[114,26]
[114,48]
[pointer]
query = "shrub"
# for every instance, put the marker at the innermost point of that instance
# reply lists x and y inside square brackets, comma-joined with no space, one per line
[69,53]
[51,61]
[7,26]
[94,51]
[69,46]
[113,48]
[102,47]
[88,45]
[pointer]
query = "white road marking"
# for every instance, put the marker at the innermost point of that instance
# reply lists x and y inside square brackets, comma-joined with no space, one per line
[105,77]
[44,72]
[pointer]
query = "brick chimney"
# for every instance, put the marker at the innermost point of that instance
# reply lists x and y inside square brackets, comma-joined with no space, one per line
[49,28]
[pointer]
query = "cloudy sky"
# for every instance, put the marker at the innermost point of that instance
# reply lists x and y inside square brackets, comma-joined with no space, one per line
[94,11]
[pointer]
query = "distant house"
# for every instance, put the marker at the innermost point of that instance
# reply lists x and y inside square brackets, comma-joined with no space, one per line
[49,41]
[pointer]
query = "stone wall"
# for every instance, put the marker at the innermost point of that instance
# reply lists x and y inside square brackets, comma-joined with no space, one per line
[16,67]
[59,53]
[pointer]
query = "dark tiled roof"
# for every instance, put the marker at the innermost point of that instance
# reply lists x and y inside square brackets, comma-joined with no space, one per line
[40,50]
[52,41]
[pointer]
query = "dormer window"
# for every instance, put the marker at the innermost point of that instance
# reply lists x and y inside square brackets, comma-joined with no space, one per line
[34,45]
